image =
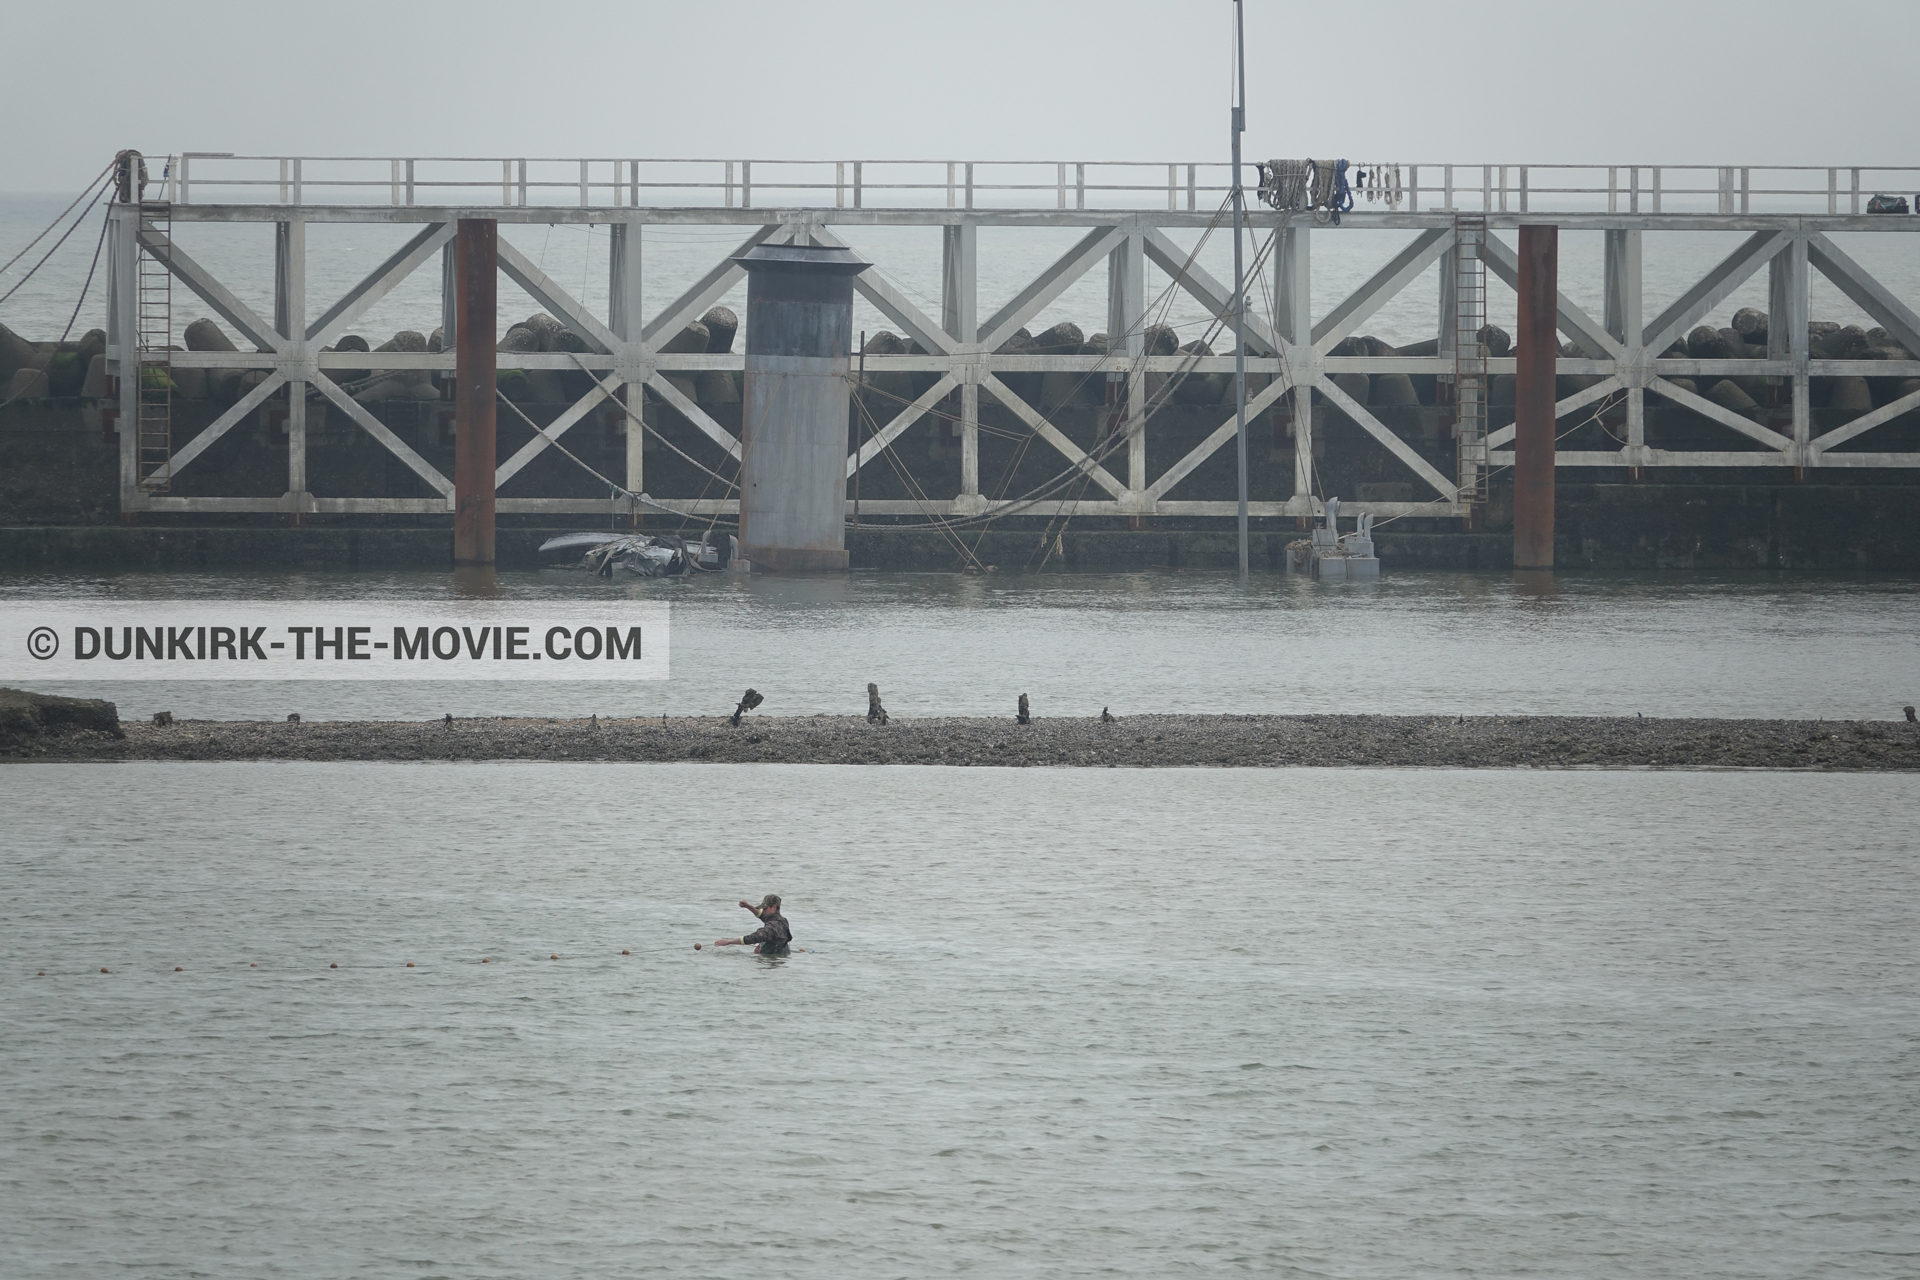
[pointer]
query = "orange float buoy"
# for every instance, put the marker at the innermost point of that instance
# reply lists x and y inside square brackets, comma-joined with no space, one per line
[333,966]
[553,957]
[483,960]
[626,953]
[42,973]
[177,969]
[409,964]
[696,946]
[103,970]
[253,966]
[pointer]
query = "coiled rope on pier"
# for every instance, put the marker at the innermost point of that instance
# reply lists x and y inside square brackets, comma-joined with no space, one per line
[1319,186]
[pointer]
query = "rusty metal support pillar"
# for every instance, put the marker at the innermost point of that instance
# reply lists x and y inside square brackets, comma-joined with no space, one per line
[477,277]
[1533,398]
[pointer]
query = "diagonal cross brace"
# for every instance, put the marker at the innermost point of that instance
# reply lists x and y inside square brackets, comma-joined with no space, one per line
[380,281]
[707,291]
[1865,292]
[1054,436]
[225,423]
[1570,319]
[1206,448]
[908,415]
[211,291]
[1578,400]
[1207,291]
[1049,285]
[1866,422]
[1726,417]
[1714,288]
[895,305]
[696,415]
[1403,269]
[544,437]
[562,305]
[1399,448]
[380,431]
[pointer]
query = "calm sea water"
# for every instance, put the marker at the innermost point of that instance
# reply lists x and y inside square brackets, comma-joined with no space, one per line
[1667,644]
[1050,1023]
[909,257]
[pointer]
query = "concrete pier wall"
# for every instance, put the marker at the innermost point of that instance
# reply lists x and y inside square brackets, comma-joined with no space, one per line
[1819,527]
[59,462]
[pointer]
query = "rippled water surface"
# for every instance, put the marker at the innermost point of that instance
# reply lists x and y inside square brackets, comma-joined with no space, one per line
[1667,644]
[1050,1023]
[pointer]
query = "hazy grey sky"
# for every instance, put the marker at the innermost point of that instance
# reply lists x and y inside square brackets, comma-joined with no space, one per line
[1631,81]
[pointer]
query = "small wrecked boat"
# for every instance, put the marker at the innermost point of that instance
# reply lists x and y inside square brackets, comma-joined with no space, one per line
[645,554]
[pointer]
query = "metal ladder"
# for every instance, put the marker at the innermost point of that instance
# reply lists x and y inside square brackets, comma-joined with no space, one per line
[154,331]
[1470,357]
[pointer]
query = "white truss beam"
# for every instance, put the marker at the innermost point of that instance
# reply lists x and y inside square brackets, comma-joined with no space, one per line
[1725,417]
[379,431]
[1227,431]
[1590,336]
[1401,270]
[1445,486]
[1049,285]
[707,291]
[1207,291]
[226,422]
[1864,423]
[896,306]
[380,282]
[1714,288]
[1289,351]
[210,291]
[872,447]
[1054,436]
[560,304]
[1577,401]
[544,437]
[1864,291]
[696,415]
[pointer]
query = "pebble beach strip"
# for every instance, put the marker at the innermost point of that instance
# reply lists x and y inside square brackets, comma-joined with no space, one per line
[1144,741]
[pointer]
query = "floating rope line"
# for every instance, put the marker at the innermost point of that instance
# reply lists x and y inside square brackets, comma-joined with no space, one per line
[21,282]
[47,362]
[60,217]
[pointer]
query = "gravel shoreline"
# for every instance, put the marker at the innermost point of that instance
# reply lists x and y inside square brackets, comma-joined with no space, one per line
[1143,741]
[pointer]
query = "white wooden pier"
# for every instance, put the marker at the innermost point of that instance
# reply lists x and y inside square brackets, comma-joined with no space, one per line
[1125,212]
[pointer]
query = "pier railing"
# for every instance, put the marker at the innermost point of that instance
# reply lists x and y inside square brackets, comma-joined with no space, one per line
[1306,362]
[637,182]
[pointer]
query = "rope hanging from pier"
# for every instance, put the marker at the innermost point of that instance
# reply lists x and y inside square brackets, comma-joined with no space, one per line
[1285,184]
[1331,195]
[1380,184]
[1299,185]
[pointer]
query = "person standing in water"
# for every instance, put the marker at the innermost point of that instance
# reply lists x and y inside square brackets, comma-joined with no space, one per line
[774,935]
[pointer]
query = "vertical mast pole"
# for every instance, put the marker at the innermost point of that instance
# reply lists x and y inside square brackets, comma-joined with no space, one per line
[1239,276]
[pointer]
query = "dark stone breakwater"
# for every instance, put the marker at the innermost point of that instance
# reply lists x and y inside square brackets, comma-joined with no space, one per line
[1141,741]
